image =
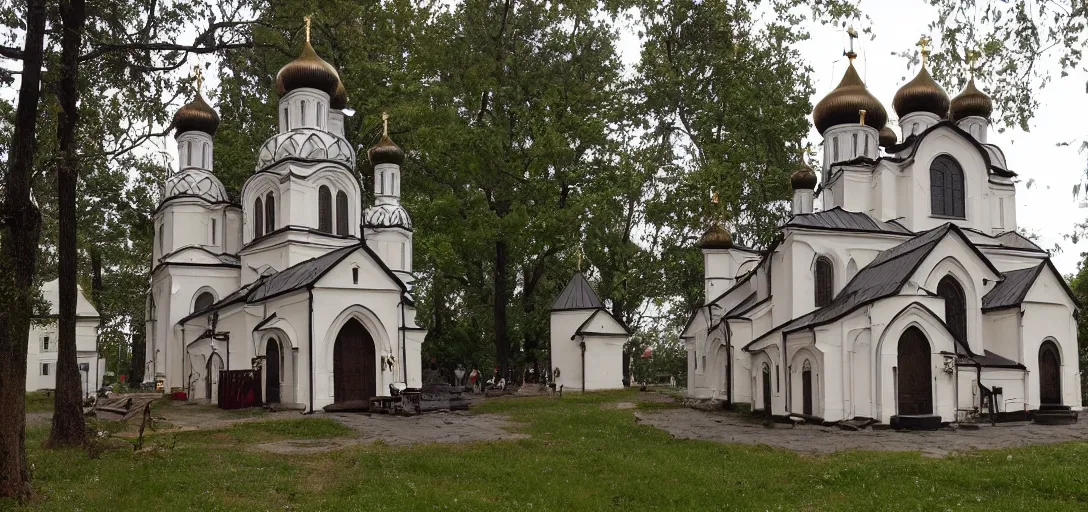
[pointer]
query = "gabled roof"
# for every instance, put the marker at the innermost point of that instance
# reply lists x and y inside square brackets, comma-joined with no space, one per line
[577,295]
[912,142]
[843,220]
[582,329]
[1014,288]
[882,278]
[1015,240]
[297,277]
[51,294]
[1010,292]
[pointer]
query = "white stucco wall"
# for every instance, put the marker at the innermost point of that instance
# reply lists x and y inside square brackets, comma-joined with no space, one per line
[566,352]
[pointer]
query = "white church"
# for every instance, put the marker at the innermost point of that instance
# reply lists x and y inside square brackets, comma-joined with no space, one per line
[909,294]
[299,276]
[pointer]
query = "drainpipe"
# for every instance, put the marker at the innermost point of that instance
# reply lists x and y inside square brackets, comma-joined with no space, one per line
[310,358]
[729,355]
[583,345]
[403,343]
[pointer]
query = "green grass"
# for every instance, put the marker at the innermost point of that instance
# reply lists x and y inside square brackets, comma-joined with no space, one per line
[39,401]
[582,455]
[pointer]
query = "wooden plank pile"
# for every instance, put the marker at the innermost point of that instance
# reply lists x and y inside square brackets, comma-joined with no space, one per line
[123,407]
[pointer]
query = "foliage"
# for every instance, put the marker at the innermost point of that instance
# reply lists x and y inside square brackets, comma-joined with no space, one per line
[1079,284]
[581,454]
[669,357]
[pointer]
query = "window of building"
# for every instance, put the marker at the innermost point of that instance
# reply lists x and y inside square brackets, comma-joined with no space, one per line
[341,213]
[45,369]
[269,213]
[203,301]
[258,218]
[215,228]
[303,112]
[955,307]
[355,275]
[825,282]
[47,344]
[85,367]
[162,232]
[324,209]
[946,188]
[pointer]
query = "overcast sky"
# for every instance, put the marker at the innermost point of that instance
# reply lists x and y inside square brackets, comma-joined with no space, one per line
[1048,207]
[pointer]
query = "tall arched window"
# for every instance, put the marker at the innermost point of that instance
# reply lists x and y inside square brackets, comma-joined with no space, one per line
[269,213]
[955,307]
[258,218]
[946,187]
[203,301]
[324,209]
[341,213]
[825,282]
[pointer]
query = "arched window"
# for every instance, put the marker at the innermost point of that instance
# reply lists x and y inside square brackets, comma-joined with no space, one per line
[162,238]
[302,117]
[825,282]
[258,218]
[269,213]
[955,307]
[324,209]
[203,301]
[341,213]
[946,187]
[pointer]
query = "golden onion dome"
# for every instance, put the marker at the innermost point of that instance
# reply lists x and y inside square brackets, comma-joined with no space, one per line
[803,179]
[843,104]
[888,137]
[197,116]
[971,102]
[339,100]
[307,71]
[385,151]
[716,238]
[921,94]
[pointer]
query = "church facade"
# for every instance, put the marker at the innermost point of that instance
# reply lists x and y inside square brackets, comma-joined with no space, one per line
[911,293]
[297,277]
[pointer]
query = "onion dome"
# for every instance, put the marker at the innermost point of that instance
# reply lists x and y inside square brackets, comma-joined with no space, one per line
[386,152]
[844,103]
[196,116]
[888,137]
[803,179]
[307,71]
[921,94]
[716,238]
[971,102]
[339,99]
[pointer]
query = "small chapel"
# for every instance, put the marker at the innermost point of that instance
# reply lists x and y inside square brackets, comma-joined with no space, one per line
[910,293]
[300,276]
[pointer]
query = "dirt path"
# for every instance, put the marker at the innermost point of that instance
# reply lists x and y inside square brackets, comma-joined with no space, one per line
[735,428]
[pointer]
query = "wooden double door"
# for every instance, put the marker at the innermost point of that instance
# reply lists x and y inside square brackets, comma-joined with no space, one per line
[354,364]
[914,374]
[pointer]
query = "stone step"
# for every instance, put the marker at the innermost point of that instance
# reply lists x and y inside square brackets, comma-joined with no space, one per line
[916,422]
[1058,417]
[1055,407]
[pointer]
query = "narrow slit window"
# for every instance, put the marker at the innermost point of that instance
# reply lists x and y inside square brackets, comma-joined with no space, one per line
[355,275]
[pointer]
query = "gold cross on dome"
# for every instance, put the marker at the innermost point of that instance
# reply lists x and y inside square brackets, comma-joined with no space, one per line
[307,20]
[199,75]
[923,45]
[385,124]
[971,57]
[853,34]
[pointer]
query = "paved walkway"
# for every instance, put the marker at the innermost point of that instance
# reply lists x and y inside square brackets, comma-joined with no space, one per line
[724,427]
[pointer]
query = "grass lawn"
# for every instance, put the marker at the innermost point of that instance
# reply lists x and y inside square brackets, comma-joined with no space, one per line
[581,456]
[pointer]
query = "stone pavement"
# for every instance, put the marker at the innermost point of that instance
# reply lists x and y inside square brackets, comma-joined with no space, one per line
[726,427]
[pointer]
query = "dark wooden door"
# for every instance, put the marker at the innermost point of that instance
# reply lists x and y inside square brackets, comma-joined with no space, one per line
[353,364]
[806,391]
[1050,380]
[766,389]
[272,372]
[915,380]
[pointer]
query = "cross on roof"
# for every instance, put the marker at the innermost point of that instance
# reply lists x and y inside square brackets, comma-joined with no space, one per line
[199,75]
[851,54]
[923,45]
[307,20]
[385,124]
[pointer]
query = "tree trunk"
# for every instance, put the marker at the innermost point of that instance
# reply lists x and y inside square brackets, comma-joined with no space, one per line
[502,340]
[69,428]
[19,234]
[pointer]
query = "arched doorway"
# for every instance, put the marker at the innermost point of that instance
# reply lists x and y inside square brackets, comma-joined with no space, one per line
[353,364]
[211,382]
[272,372]
[806,387]
[915,377]
[767,389]
[1050,374]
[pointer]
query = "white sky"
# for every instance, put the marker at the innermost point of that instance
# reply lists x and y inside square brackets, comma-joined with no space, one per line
[1048,208]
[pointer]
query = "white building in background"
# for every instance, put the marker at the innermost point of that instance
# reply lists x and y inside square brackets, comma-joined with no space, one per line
[586,340]
[298,276]
[910,294]
[41,371]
